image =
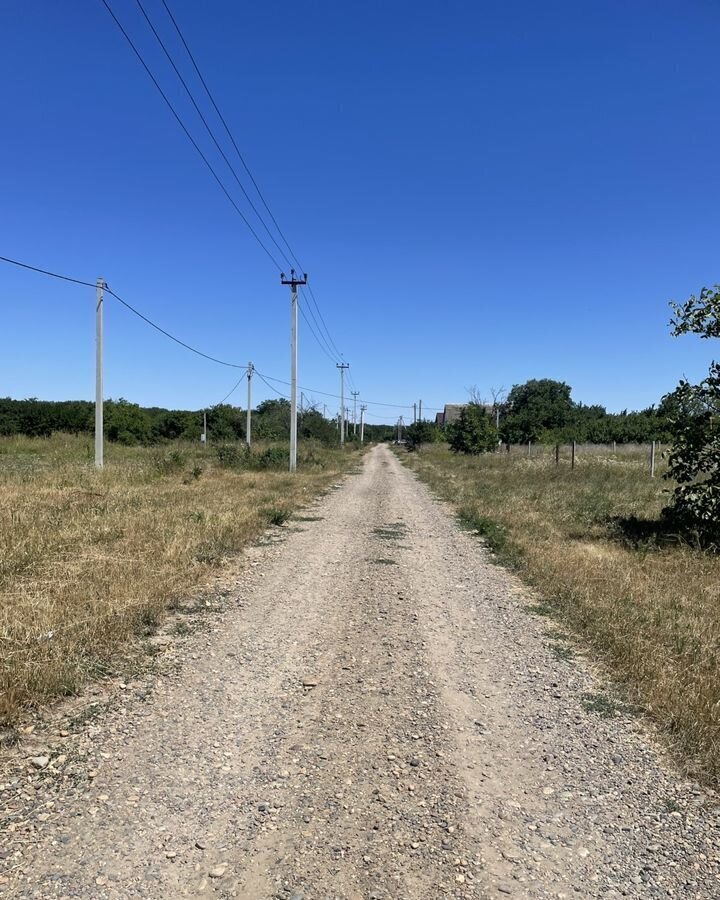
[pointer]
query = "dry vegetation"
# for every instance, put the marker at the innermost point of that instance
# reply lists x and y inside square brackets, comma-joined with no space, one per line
[651,607]
[89,559]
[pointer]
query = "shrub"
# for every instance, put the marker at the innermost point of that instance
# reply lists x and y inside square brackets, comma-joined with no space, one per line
[473,433]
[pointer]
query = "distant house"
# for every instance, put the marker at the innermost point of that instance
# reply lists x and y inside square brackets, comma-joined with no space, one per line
[450,414]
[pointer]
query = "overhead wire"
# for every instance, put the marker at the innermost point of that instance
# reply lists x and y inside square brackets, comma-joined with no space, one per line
[232,389]
[189,136]
[132,309]
[210,131]
[332,345]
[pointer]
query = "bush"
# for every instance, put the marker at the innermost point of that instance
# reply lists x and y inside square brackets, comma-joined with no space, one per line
[474,433]
[165,463]
[231,456]
[273,458]
[420,433]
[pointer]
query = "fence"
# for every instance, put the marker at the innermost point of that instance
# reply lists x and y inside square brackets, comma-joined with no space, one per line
[573,454]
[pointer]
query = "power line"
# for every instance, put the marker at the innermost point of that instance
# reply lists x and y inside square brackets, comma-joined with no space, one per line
[189,136]
[192,349]
[229,133]
[262,378]
[324,348]
[210,131]
[232,390]
[177,340]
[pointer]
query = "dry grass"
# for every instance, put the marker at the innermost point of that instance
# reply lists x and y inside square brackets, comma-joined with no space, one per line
[652,609]
[90,559]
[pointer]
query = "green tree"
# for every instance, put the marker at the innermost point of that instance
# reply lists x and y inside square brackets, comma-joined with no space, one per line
[538,406]
[694,461]
[126,423]
[420,433]
[474,432]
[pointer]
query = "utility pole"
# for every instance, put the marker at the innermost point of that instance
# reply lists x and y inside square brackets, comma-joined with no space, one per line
[293,282]
[362,422]
[248,424]
[342,367]
[324,410]
[204,434]
[420,410]
[400,427]
[355,396]
[414,413]
[99,437]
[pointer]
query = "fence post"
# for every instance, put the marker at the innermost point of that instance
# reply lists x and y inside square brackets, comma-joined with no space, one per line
[557,454]
[572,464]
[529,448]
[652,459]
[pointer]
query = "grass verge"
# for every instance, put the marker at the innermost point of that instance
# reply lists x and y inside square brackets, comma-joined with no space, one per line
[651,608]
[90,559]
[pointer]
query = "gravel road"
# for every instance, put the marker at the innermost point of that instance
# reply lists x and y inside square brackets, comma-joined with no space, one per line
[375,714]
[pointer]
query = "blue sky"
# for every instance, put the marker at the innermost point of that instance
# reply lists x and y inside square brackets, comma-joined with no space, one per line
[481,192]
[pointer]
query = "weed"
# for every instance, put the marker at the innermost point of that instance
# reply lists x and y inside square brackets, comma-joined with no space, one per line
[277,515]
[562,652]
[607,707]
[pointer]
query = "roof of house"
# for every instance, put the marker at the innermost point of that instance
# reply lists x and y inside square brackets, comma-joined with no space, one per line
[452,412]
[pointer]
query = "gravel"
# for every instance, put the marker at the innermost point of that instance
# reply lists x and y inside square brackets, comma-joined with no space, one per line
[354,729]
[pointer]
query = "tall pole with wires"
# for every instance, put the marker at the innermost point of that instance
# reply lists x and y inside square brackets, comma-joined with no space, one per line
[342,367]
[99,285]
[293,282]
[248,424]
[355,396]
[362,422]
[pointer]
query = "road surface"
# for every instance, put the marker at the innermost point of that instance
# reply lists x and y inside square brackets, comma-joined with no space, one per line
[374,715]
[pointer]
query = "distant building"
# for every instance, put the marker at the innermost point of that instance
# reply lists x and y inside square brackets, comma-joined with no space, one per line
[450,414]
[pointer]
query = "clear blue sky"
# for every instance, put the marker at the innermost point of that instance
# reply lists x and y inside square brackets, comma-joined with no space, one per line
[481,192]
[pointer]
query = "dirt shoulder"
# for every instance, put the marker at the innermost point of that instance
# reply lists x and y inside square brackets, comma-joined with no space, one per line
[373,716]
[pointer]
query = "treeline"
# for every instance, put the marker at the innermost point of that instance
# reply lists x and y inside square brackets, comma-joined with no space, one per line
[543,411]
[128,423]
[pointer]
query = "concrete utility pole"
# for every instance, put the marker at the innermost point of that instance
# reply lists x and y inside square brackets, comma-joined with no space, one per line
[355,396]
[293,282]
[342,367]
[414,413]
[204,434]
[400,427]
[362,422]
[248,424]
[420,410]
[99,436]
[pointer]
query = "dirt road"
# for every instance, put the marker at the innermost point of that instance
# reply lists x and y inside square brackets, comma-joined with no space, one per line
[375,715]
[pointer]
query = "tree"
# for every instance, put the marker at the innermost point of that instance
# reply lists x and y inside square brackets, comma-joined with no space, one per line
[694,409]
[473,433]
[419,433]
[538,406]
[126,423]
